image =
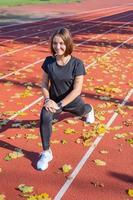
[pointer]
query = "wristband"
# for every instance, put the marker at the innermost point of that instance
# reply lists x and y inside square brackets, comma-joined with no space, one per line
[60,105]
[46,100]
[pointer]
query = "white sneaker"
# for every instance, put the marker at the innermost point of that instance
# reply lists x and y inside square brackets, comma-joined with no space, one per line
[46,156]
[90,116]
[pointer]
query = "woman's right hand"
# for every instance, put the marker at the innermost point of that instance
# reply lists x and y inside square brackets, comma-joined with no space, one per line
[51,106]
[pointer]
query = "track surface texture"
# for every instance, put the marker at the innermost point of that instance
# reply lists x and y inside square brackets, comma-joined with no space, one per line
[100,155]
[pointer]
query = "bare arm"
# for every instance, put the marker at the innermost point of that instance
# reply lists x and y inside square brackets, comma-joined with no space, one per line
[45,85]
[50,105]
[77,88]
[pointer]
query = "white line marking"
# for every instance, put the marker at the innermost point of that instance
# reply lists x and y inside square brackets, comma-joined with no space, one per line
[45,41]
[88,153]
[10,25]
[26,107]
[41,60]
[57,21]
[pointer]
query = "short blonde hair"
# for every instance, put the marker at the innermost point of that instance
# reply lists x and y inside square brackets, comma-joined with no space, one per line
[64,33]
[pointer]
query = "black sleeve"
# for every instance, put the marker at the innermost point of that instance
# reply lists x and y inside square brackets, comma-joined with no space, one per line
[45,65]
[79,69]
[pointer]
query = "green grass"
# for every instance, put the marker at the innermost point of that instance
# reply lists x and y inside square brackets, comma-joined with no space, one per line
[31,2]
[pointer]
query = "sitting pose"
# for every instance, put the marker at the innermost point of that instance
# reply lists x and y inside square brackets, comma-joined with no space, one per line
[61,85]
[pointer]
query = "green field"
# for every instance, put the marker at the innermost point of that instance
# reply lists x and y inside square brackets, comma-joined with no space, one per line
[26,2]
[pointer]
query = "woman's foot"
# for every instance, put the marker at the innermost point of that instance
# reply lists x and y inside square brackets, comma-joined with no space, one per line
[90,118]
[45,158]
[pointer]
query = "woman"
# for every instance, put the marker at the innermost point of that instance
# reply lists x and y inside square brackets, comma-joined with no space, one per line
[61,85]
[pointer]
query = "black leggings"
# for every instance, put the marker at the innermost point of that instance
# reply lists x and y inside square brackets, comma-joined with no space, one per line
[77,107]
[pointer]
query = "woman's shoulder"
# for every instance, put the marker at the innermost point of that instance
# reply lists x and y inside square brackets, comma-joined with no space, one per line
[78,61]
[50,59]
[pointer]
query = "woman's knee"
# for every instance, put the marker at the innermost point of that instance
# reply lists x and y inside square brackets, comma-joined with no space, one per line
[87,108]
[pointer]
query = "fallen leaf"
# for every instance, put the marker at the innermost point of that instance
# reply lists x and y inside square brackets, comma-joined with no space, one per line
[26,93]
[55,142]
[130,141]
[100,129]
[43,196]
[30,136]
[69,131]
[120,111]
[87,143]
[54,128]
[103,151]
[105,98]
[119,136]
[25,189]
[13,155]
[99,116]
[130,192]
[64,141]
[2,197]
[78,141]
[115,128]
[70,121]
[66,168]
[100,162]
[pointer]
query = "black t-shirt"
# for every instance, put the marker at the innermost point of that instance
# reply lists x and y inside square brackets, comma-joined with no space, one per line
[62,77]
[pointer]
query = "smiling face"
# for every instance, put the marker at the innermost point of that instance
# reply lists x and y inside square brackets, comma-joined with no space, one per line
[61,43]
[59,46]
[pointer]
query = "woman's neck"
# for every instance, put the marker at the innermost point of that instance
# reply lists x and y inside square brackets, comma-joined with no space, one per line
[63,60]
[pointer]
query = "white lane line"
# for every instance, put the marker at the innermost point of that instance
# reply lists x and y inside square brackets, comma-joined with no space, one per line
[27,66]
[10,25]
[109,52]
[57,21]
[68,25]
[41,60]
[81,163]
[103,33]
[26,108]
[45,41]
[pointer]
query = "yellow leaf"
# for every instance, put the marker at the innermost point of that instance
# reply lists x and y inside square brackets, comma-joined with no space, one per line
[100,129]
[87,143]
[25,189]
[30,136]
[115,128]
[2,197]
[13,155]
[66,168]
[20,113]
[26,93]
[120,111]
[54,128]
[100,162]
[130,141]
[70,121]
[99,116]
[69,131]
[55,141]
[64,141]
[43,196]
[130,192]
[119,136]
[130,84]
